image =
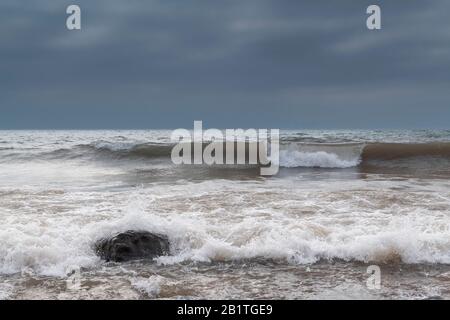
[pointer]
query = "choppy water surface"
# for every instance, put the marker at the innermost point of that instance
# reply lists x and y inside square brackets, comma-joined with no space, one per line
[343,200]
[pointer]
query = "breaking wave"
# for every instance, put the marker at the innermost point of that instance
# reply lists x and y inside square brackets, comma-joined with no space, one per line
[391,151]
[292,154]
[411,239]
[319,159]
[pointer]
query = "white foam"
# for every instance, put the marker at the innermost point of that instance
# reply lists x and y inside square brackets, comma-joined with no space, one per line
[321,155]
[219,220]
[321,159]
[6,291]
[150,286]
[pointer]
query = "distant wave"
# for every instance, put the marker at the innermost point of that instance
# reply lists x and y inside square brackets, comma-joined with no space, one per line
[113,151]
[351,155]
[390,151]
[292,155]
[143,150]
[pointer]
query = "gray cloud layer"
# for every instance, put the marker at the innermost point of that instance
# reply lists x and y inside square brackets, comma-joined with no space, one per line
[251,63]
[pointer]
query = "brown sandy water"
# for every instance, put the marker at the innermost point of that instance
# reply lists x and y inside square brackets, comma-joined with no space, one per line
[240,280]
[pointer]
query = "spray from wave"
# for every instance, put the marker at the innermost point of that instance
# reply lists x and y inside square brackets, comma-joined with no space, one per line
[321,155]
[339,230]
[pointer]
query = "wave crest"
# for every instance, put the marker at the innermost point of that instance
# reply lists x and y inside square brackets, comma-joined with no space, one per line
[320,159]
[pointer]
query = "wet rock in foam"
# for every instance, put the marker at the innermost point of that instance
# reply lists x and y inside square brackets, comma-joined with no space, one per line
[132,245]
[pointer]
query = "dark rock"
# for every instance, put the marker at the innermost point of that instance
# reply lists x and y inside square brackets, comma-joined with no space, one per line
[132,245]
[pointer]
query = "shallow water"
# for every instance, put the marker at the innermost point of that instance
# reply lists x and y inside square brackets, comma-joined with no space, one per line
[251,279]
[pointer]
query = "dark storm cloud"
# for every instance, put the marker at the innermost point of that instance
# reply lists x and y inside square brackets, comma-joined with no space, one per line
[148,64]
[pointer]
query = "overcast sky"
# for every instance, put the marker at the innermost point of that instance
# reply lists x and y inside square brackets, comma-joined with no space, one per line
[230,63]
